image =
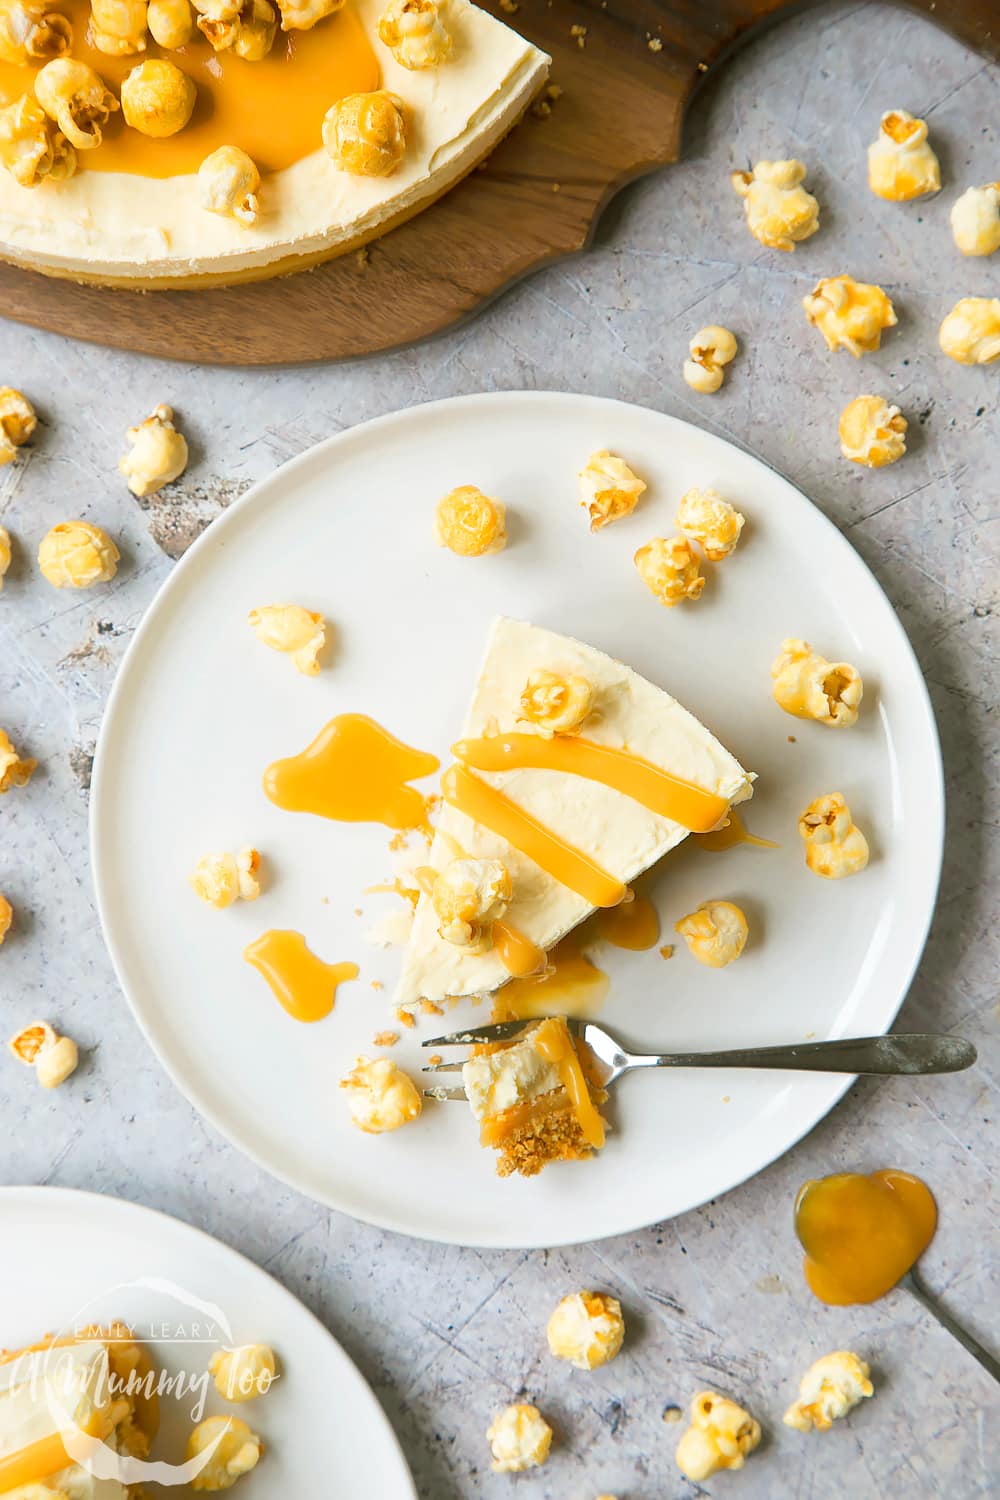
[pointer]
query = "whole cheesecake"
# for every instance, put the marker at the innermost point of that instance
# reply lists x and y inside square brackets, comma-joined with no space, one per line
[270,136]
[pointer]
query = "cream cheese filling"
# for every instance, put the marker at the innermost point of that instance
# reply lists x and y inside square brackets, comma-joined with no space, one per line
[37,1392]
[496,1081]
[121,225]
[618,833]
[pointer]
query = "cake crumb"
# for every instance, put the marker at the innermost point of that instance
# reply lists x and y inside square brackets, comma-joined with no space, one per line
[509,7]
[385,1038]
[672,1413]
[791,739]
[397,842]
[703,67]
[579,34]
[655,44]
[726,1099]
[431,1008]
[377,984]
[434,1059]
[667,951]
[555,187]
[542,106]
[363,257]
[358,912]
[405,1017]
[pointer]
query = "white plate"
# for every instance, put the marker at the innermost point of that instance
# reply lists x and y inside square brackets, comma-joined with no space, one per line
[200,708]
[72,1258]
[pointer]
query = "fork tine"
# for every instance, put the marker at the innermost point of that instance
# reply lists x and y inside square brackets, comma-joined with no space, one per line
[445,1096]
[498,1032]
[444,1067]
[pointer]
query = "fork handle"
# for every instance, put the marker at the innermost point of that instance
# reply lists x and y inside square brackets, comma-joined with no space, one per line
[868,1054]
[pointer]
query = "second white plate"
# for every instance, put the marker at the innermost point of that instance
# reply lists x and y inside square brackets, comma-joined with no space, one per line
[200,708]
[71,1259]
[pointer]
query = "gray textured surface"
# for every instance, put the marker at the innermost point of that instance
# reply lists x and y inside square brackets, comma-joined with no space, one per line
[715,1298]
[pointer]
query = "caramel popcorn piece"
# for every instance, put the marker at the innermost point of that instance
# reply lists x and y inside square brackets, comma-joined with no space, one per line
[609,489]
[554,704]
[239,1450]
[302,15]
[171,22]
[670,570]
[849,314]
[829,1389]
[77,99]
[468,896]
[243,1373]
[975,220]
[30,32]
[872,432]
[780,213]
[76,555]
[469,523]
[712,521]
[157,455]
[415,34]
[157,98]
[381,1096]
[716,933]
[13,770]
[52,1056]
[221,879]
[587,1329]
[520,1438]
[366,133]
[17,423]
[970,333]
[228,181]
[118,27]
[299,633]
[249,33]
[810,687]
[709,352]
[835,848]
[721,1436]
[901,164]
[6,917]
[32,150]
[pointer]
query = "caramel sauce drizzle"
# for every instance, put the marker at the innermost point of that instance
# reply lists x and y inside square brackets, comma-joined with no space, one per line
[495,1129]
[273,109]
[354,771]
[680,801]
[518,954]
[634,925]
[555,1044]
[735,832]
[30,1465]
[484,804]
[862,1234]
[569,985]
[303,984]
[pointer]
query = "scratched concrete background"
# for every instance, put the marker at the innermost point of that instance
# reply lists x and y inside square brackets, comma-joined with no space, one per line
[447,1336]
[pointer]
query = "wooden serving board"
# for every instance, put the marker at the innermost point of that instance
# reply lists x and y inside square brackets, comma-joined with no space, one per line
[536,199]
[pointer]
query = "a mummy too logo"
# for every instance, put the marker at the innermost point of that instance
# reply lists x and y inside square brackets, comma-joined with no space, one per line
[109,1385]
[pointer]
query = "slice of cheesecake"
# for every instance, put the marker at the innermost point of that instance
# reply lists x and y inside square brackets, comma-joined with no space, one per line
[571,817]
[61,1400]
[534,1102]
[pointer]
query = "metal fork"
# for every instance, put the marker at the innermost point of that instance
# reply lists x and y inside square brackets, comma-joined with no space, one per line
[893,1054]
